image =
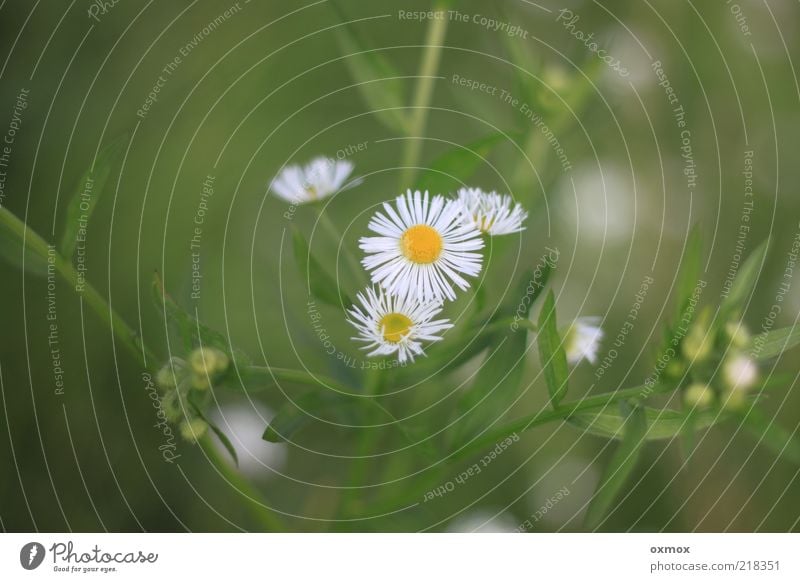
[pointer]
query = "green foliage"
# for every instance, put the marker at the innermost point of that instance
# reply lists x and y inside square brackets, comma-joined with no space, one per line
[551,351]
[779,440]
[744,283]
[304,410]
[381,85]
[20,246]
[223,438]
[193,334]
[80,209]
[772,344]
[448,172]
[620,466]
[498,382]
[320,285]
[661,423]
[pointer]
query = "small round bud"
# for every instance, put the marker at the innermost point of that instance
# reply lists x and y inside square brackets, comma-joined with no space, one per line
[698,395]
[675,369]
[165,377]
[171,373]
[172,406]
[194,429]
[740,372]
[209,362]
[697,344]
[738,334]
[734,399]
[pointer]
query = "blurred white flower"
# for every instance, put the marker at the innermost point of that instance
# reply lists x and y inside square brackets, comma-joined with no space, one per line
[396,325]
[244,424]
[490,212]
[740,372]
[317,180]
[422,248]
[582,340]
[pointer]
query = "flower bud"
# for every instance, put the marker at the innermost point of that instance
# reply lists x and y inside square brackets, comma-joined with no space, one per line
[698,395]
[194,429]
[740,372]
[675,369]
[582,340]
[738,334]
[172,406]
[697,345]
[207,364]
[171,373]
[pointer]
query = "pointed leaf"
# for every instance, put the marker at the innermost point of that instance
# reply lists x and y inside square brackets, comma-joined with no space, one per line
[223,438]
[688,273]
[380,84]
[293,416]
[551,351]
[661,423]
[745,282]
[619,468]
[771,344]
[21,246]
[90,187]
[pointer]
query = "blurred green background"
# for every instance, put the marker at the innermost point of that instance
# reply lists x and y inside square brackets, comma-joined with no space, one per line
[270,85]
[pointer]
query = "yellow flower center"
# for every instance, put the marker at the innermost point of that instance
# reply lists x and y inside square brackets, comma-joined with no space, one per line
[395,326]
[421,244]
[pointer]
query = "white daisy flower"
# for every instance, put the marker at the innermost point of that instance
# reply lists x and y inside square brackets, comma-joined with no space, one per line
[395,324]
[317,180]
[490,212]
[423,248]
[582,340]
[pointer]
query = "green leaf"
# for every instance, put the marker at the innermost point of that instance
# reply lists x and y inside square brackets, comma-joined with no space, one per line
[776,438]
[551,351]
[293,416]
[620,467]
[688,274]
[319,284]
[771,344]
[32,254]
[223,438]
[661,423]
[448,172]
[379,82]
[497,382]
[745,282]
[88,192]
[193,333]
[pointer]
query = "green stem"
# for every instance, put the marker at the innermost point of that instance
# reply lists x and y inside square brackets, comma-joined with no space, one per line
[358,467]
[124,333]
[437,30]
[562,412]
[40,255]
[260,511]
[355,267]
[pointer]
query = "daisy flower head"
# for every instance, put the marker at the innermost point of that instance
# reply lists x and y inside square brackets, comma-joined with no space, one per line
[582,340]
[491,213]
[423,248]
[395,325]
[316,180]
